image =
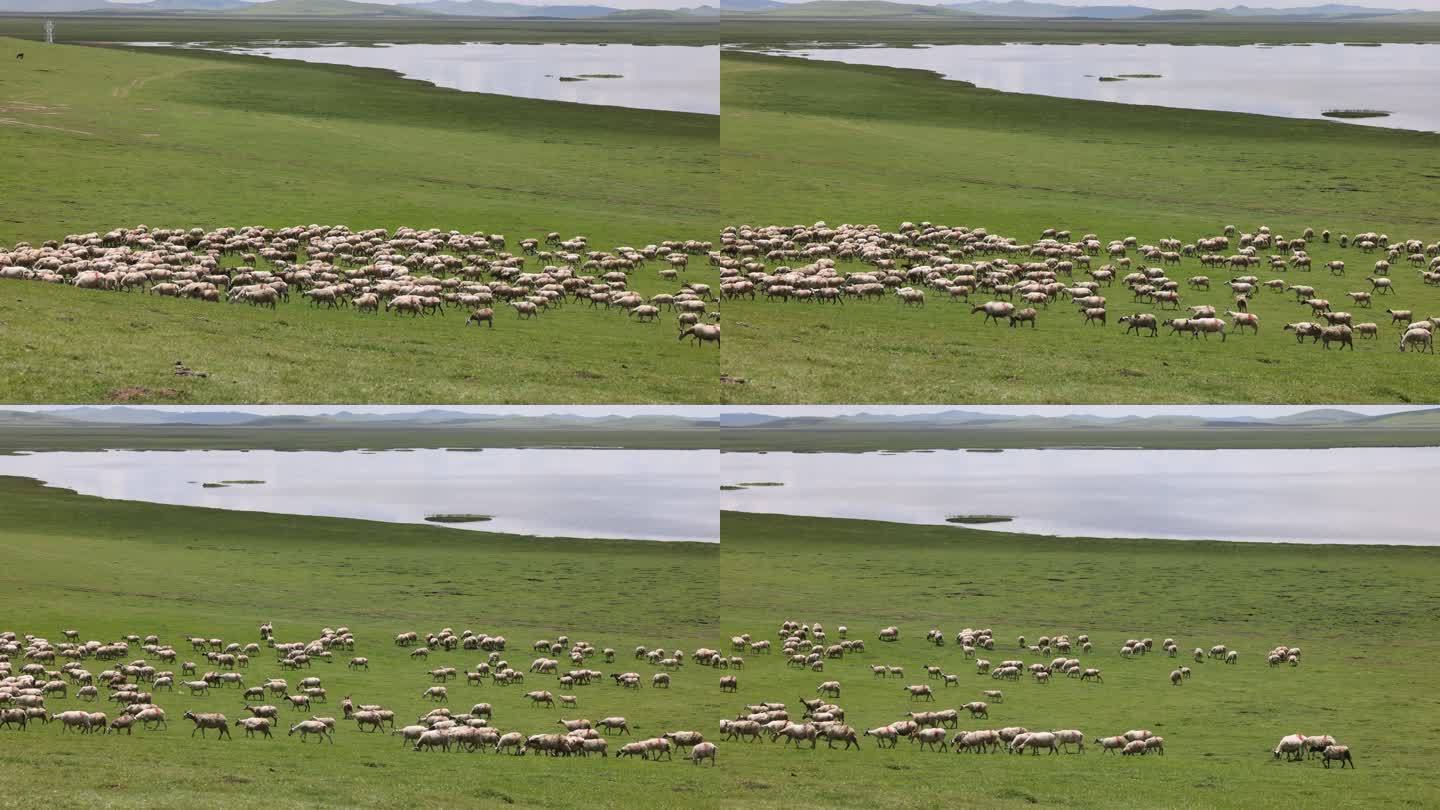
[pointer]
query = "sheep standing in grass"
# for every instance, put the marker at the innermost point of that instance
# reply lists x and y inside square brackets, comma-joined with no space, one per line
[1292,746]
[307,728]
[252,725]
[703,751]
[208,721]
[1337,753]
[702,333]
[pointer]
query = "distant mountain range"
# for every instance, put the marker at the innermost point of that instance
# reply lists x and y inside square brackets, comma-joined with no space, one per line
[122,416]
[348,8]
[1027,9]
[972,420]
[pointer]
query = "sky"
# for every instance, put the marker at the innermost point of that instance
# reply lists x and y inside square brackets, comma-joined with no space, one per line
[1424,5]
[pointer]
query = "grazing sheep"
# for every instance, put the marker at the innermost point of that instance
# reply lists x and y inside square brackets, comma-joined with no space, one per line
[1341,334]
[615,724]
[1066,737]
[1108,744]
[308,728]
[702,751]
[208,721]
[253,725]
[702,333]
[994,310]
[1417,340]
[883,735]
[931,737]
[1333,753]
[916,692]
[1034,741]
[1292,746]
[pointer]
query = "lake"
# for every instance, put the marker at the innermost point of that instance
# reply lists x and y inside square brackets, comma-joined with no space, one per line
[634,494]
[1353,495]
[1292,81]
[653,77]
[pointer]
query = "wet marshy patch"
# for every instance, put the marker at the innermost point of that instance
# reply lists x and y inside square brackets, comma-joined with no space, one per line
[975,519]
[1356,114]
[459,518]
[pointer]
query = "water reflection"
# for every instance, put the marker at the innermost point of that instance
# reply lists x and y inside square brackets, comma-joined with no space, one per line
[1360,495]
[660,77]
[637,494]
[1291,81]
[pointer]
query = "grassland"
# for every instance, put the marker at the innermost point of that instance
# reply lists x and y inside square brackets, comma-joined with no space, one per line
[778,31]
[109,137]
[1363,617]
[108,568]
[172,437]
[906,145]
[247,28]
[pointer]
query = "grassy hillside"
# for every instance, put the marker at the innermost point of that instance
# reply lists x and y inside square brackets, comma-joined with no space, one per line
[858,9]
[418,28]
[326,8]
[1360,615]
[107,568]
[769,29]
[106,137]
[906,145]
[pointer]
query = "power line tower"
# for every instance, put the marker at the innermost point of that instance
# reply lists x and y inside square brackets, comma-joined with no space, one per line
[49,32]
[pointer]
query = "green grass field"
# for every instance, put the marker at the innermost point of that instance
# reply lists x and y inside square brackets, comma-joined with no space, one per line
[97,138]
[770,30]
[107,568]
[1362,616]
[905,145]
[248,28]
[15,439]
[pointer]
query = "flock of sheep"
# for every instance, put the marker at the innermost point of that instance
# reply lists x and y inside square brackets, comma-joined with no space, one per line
[426,272]
[134,684]
[1020,279]
[408,272]
[809,647]
[49,672]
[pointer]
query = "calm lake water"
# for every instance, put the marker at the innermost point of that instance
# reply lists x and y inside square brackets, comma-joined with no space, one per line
[1290,81]
[636,494]
[1380,496]
[652,77]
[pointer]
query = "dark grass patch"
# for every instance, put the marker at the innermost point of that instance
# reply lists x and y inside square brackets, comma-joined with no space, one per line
[1356,114]
[972,519]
